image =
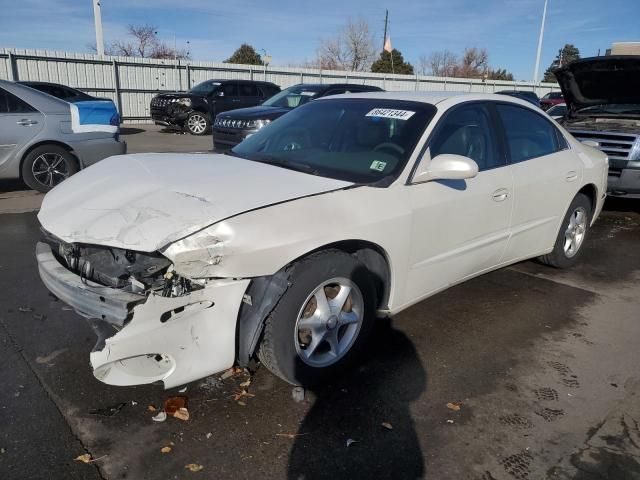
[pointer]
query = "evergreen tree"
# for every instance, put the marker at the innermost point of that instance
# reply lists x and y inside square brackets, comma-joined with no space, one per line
[566,55]
[383,64]
[246,55]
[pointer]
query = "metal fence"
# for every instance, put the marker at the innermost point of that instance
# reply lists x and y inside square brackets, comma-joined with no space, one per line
[132,82]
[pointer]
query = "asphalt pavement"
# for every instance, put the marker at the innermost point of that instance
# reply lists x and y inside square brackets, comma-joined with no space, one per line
[524,373]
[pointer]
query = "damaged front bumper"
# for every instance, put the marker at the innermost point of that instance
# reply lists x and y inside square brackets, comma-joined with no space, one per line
[151,338]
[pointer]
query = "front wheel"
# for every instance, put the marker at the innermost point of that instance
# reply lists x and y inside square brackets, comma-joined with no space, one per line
[573,232]
[198,123]
[322,320]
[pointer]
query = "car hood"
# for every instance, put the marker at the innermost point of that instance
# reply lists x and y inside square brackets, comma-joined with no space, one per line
[144,202]
[599,81]
[256,113]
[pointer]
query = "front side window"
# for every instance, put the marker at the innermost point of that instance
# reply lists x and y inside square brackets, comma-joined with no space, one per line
[229,89]
[468,131]
[204,88]
[528,134]
[357,140]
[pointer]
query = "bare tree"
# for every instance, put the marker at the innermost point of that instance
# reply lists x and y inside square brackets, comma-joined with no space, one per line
[352,48]
[144,42]
[438,64]
[474,63]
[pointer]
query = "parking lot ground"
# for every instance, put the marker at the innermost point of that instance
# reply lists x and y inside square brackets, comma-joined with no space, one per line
[542,363]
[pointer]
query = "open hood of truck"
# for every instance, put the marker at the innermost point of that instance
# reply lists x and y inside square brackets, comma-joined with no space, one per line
[600,81]
[144,202]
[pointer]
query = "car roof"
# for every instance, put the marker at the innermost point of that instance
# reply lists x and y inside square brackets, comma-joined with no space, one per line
[39,100]
[434,98]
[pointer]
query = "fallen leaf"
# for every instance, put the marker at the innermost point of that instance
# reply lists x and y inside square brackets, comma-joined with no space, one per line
[246,384]
[84,458]
[160,417]
[181,414]
[193,467]
[173,404]
[387,425]
[449,421]
[241,403]
[454,406]
[152,408]
[165,449]
[243,393]
[133,403]
[351,441]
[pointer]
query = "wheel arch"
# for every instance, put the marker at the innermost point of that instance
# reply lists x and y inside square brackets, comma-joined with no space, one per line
[264,293]
[591,192]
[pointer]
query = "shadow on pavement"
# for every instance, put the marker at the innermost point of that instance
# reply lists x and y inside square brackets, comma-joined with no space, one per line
[12,185]
[131,130]
[621,204]
[355,408]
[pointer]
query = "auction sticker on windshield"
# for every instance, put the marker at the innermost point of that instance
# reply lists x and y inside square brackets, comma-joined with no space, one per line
[390,113]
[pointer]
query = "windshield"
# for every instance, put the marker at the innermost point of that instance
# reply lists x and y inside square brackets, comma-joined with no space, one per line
[204,88]
[357,140]
[613,108]
[293,97]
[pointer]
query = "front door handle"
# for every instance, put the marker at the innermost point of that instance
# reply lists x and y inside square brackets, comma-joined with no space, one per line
[500,195]
[25,122]
[571,176]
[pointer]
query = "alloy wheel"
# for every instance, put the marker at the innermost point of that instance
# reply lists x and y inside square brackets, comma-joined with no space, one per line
[197,123]
[329,322]
[49,169]
[575,232]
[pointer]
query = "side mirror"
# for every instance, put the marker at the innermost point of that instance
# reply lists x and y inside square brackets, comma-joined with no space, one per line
[445,167]
[218,94]
[590,143]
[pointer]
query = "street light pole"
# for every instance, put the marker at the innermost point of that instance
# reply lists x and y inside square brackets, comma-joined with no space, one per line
[97,18]
[544,17]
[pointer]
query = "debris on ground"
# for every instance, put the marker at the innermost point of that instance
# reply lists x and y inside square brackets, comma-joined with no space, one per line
[291,435]
[449,421]
[208,435]
[39,316]
[212,383]
[351,441]
[454,406]
[387,425]
[246,383]
[181,414]
[177,407]
[298,394]
[238,396]
[86,458]
[108,411]
[160,417]
[167,448]
[232,372]
[25,309]
[193,467]
[133,403]
[67,309]
[182,390]
[152,408]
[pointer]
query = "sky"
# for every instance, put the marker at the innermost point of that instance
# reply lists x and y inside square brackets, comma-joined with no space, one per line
[291,30]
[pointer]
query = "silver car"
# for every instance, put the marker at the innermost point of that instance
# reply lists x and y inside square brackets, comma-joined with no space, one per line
[44,140]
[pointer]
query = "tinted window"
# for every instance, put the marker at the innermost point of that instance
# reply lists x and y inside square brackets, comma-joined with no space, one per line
[293,97]
[467,131]
[9,103]
[204,88]
[248,90]
[229,89]
[268,90]
[529,134]
[358,140]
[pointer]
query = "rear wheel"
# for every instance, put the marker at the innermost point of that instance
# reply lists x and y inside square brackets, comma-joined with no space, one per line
[197,123]
[573,232]
[47,166]
[322,321]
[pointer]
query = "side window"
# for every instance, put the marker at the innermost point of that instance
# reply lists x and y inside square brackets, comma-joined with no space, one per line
[229,89]
[9,103]
[248,90]
[468,131]
[529,135]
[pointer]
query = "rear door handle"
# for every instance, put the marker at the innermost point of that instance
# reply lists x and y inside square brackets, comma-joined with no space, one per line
[500,195]
[571,176]
[25,122]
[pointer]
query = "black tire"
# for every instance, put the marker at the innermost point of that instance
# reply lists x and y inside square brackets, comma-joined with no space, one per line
[55,163]
[559,258]
[278,350]
[198,123]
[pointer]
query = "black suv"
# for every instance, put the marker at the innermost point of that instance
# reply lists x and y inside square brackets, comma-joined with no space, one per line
[193,110]
[231,128]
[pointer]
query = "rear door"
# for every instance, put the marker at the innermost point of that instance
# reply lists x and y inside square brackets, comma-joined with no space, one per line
[19,123]
[546,176]
[249,94]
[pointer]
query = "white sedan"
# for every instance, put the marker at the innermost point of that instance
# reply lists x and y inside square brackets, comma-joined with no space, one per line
[348,208]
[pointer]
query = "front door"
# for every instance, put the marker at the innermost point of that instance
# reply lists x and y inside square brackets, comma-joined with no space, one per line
[460,227]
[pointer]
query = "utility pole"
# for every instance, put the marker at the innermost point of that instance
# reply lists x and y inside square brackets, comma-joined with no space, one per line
[544,17]
[97,18]
[386,23]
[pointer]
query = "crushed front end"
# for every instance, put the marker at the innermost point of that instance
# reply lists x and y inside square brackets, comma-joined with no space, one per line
[153,325]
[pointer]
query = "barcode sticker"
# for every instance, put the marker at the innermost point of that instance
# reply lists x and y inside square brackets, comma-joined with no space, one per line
[390,113]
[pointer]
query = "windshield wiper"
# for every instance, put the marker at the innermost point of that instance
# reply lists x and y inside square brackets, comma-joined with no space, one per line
[291,165]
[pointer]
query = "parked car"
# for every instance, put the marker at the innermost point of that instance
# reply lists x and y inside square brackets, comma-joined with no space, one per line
[557,111]
[231,128]
[288,246]
[603,99]
[44,140]
[524,95]
[195,109]
[551,99]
